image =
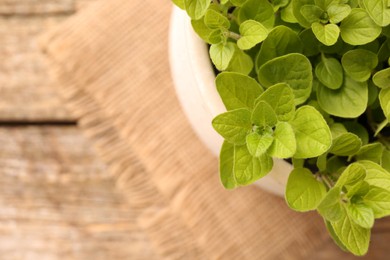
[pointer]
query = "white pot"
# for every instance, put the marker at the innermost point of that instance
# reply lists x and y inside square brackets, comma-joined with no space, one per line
[194,77]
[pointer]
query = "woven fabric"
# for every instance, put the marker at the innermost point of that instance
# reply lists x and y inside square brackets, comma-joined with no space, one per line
[112,66]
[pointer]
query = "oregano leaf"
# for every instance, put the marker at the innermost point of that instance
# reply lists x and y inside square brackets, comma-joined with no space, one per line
[264,115]
[258,144]
[284,143]
[382,78]
[252,33]
[326,33]
[226,158]
[359,64]
[303,191]
[329,72]
[196,8]
[330,207]
[221,54]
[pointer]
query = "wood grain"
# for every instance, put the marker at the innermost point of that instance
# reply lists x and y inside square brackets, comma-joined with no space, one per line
[27,93]
[57,201]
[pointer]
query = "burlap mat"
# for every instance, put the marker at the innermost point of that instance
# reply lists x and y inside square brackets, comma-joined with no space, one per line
[112,66]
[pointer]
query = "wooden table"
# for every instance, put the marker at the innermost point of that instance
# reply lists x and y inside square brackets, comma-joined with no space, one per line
[57,200]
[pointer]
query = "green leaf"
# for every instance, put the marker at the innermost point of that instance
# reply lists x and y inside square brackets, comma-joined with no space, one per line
[337,129]
[357,129]
[281,98]
[382,78]
[221,54]
[372,152]
[280,41]
[238,2]
[284,144]
[361,214]
[376,175]
[226,159]
[234,125]
[297,6]
[311,46]
[329,72]
[248,169]
[179,3]
[384,99]
[386,159]
[208,35]
[337,13]
[378,199]
[237,90]
[287,14]
[327,34]
[359,64]
[346,144]
[279,3]
[241,62]
[294,69]
[334,236]
[303,191]
[358,28]
[330,207]
[354,237]
[215,20]
[325,4]
[252,33]
[352,175]
[258,144]
[349,101]
[312,13]
[196,9]
[264,115]
[378,10]
[312,133]
[261,11]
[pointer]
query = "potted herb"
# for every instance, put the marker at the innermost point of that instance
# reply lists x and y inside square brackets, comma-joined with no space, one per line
[307,82]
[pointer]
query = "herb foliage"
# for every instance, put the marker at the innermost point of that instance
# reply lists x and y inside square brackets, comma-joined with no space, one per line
[306,80]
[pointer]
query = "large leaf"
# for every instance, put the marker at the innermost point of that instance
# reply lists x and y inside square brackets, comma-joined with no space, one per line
[349,101]
[237,90]
[378,10]
[226,159]
[303,191]
[234,125]
[294,69]
[259,10]
[247,168]
[311,132]
[358,28]
[359,64]
[281,98]
[379,200]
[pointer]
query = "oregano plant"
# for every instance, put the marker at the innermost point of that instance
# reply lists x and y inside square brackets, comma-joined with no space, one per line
[307,81]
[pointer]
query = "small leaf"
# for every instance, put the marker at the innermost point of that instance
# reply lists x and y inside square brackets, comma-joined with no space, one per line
[248,169]
[303,191]
[237,90]
[241,62]
[353,174]
[215,20]
[327,34]
[208,35]
[330,207]
[252,33]
[294,69]
[359,64]
[312,13]
[372,152]
[284,144]
[376,175]
[379,200]
[354,237]
[346,144]
[226,158]
[384,99]
[297,6]
[234,125]
[349,101]
[258,144]
[361,214]
[264,115]
[358,28]
[280,41]
[337,13]
[378,10]
[311,132]
[382,78]
[329,72]
[196,8]
[221,54]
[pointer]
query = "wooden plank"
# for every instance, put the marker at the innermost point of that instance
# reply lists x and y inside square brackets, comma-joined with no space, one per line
[26,90]
[57,201]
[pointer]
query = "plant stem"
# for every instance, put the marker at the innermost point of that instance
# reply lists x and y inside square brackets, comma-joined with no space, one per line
[232,17]
[326,181]
[233,35]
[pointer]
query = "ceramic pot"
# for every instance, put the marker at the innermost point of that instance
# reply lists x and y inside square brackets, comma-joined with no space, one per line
[194,81]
